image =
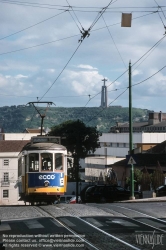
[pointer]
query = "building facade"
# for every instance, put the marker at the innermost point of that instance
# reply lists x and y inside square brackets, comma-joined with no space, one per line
[9,151]
[146,135]
[10,146]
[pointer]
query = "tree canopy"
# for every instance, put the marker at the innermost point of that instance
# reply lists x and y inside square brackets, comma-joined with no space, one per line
[78,138]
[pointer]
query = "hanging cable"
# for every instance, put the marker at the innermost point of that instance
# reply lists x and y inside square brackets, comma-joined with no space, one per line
[160,16]
[61,71]
[114,42]
[43,44]
[32,26]
[75,16]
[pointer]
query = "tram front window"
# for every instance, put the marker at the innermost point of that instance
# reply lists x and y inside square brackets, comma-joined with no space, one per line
[34,162]
[58,161]
[46,161]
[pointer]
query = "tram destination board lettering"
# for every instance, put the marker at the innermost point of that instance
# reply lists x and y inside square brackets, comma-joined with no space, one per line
[37,139]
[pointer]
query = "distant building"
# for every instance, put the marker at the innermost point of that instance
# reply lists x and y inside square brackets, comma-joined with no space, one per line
[115,145]
[155,124]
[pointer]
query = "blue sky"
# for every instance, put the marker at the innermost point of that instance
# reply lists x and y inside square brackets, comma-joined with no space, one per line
[54,72]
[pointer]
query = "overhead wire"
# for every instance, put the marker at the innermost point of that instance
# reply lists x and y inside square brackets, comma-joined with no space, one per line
[73,6]
[85,34]
[116,79]
[52,6]
[150,49]
[160,16]
[126,89]
[38,45]
[103,108]
[70,7]
[43,44]
[121,94]
[32,25]
[153,47]
[61,70]
[114,42]
[148,54]
[99,15]
[160,7]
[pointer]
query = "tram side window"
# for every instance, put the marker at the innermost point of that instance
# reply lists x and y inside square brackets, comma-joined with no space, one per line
[46,161]
[58,161]
[34,162]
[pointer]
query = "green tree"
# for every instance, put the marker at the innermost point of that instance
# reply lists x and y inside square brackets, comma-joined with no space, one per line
[137,178]
[79,139]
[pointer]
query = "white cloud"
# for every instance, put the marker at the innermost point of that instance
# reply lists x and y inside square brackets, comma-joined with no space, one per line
[81,66]
[20,76]
[33,71]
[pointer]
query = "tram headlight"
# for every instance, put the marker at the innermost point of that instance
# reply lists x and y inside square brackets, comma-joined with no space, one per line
[46,183]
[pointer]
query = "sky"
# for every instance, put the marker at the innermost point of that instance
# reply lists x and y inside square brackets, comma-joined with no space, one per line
[42,57]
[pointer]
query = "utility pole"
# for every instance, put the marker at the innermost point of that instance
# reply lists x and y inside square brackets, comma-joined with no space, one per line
[131,135]
[77,166]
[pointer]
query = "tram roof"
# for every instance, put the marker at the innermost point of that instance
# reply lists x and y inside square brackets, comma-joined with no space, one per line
[43,146]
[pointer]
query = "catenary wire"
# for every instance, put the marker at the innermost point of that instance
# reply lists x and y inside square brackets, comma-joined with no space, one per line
[84,35]
[121,94]
[43,44]
[121,74]
[74,15]
[114,42]
[78,7]
[88,101]
[99,15]
[90,7]
[125,91]
[32,26]
[160,7]
[109,84]
[62,70]
[38,45]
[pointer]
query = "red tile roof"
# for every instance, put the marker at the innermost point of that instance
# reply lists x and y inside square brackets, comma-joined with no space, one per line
[12,146]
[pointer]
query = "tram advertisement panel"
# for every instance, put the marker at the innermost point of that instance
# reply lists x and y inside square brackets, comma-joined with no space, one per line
[40,179]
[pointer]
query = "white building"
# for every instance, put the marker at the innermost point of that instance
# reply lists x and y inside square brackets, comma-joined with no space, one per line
[10,146]
[114,147]
[117,144]
[9,151]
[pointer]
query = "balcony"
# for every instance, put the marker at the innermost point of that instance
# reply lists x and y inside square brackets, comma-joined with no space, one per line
[5,183]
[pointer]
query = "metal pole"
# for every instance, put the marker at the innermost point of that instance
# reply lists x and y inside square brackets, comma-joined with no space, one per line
[131,135]
[42,118]
[76,166]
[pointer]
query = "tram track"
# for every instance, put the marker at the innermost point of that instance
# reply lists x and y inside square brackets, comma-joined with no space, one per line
[109,210]
[95,238]
[154,224]
[146,216]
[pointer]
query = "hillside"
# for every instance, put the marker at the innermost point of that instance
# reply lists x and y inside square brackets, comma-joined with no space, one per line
[17,118]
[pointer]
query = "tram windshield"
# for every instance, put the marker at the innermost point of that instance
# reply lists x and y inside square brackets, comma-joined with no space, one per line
[58,161]
[46,161]
[34,162]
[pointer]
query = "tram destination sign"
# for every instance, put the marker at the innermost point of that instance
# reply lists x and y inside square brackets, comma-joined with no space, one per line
[51,139]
